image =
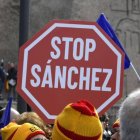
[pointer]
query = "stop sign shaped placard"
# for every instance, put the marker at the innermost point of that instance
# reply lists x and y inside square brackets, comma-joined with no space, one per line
[69,61]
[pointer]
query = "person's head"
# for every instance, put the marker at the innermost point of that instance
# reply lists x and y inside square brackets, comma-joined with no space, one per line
[77,121]
[12,65]
[33,118]
[129,115]
[25,131]
[116,130]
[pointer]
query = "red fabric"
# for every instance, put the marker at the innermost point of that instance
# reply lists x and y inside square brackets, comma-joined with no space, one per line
[34,134]
[12,135]
[116,125]
[84,107]
[74,136]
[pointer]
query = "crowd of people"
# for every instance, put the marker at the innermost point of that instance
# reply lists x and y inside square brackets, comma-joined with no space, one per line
[77,121]
[8,80]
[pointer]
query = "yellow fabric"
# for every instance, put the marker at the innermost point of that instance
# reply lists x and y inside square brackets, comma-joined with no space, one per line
[22,132]
[8,130]
[80,124]
[6,85]
[57,134]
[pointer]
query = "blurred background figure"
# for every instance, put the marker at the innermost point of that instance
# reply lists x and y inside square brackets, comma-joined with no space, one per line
[105,123]
[116,130]
[12,81]
[2,64]
[2,79]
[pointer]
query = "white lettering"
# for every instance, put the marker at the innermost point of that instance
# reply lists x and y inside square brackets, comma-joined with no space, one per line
[67,45]
[80,48]
[85,78]
[70,76]
[35,68]
[109,73]
[47,78]
[75,49]
[90,47]
[56,54]
[60,77]
[95,79]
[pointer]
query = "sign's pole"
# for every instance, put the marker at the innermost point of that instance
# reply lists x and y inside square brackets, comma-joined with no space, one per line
[23,37]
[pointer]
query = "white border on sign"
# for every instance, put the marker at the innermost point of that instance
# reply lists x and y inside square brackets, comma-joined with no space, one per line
[79,26]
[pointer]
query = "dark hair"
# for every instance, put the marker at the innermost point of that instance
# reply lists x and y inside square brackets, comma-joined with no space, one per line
[104,118]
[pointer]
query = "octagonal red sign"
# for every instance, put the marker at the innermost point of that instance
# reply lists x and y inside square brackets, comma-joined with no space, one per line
[68,61]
